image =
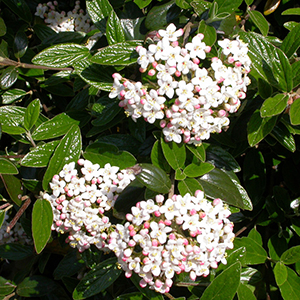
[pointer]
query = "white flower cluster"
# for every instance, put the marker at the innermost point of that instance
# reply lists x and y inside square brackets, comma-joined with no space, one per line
[15,235]
[182,234]
[79,201]
[191,101]
[75,20]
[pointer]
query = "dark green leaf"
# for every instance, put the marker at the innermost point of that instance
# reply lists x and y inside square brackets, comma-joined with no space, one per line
[12,95]
[225,285]
[179,174]
[123,54]
[210,34]
[2,217]
[142,3]
[114,31]
[264,88]
[98,279]
[13,187]
[20,8]
[6,287]
[291,42]
[228,6]
[277,245]
[62,55]
[32,114]
[64,37]
[244,293]
[281,133]
[274,105]
[103,153]
[295,112]
[291,255]
[157,157]
[189,185]
[53,128]
[67,151]
[2,27]
[174,153]
[7,167]
[15,251]
[43,31]
[154,178]
[20,44]
[296,73]
[132,296]
[255,253]
[259,128]
[199,151]
[8,77]
[200,6]
[260,21]
[41,214]
[250,276]
[282,198]
[196,170]
[39,156]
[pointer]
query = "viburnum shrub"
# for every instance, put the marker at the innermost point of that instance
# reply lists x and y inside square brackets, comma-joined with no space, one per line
[191,100]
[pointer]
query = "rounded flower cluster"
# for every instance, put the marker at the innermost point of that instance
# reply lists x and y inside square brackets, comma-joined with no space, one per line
[80,199]
[190,100]
[182,234]
[15,235]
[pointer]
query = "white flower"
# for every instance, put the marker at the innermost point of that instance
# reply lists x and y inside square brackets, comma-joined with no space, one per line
[184,91]
[170,33]
[295,204]
[196,47]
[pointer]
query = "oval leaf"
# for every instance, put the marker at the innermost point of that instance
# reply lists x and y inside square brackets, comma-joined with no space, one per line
[7,167]
[32,114]
[291,255]
[114,30]
[274,105]
[174,153]
[189,185]
[12,118]
[13,187]
[295,112]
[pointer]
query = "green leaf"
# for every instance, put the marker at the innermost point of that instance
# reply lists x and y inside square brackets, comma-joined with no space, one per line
[98,279]
[210,34]
[2,27]
[291,42]
[289,288]
[11,119]
[260,21]
[199,151]
[13,187]
[196,170]
[277,245]
[114,30]
[291,11]
[251,276]
[264,88]
[135,295]
[103,153]
[6,287]
[7,167]
[296,72]
[99,10]
[174,153]
[41,214]
[2,217]
[233,257]
[20,44]
[122,54]
[244,293]
[228,6]
[32,114]
[39,156]
[57,126]
[20,8]
[217,184]
[280,272]
[258,128]
[179,174]
[281,133]
[273,106]
[200,6]
[154,178]
[62,55]
[255,253]
[67,151]
[35,286]
[12,95]
[161,15]
[8,77]
[15,251]
[291,256]
[189,185]
[142,3]
[295,112]
[158,158]
[225,285]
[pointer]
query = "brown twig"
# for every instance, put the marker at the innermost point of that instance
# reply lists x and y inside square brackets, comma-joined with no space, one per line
[5,205]
[172,189]
[187,29]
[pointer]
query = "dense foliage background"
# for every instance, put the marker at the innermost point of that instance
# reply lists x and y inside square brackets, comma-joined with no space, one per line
[55,109]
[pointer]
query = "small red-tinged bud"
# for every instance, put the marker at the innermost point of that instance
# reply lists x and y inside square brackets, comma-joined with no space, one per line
[117,76]
[159,198]
[146,225]
[132,233]
[193,233]
[131,101]
[231,59]
[180,31]
[63,216]
[196,61]
[214,265]
[197,138]
[122,93]
[227,107]
[55,177]
[221,79]
[189,248]
[131,227]
[193,211]
[154,64]
[202,214]
[58,223]
[175,108]
[157,214]
[222,113]
[214,59]
[128,274]
[142,70]
[59,207]
[145,253]
[185,242]
[163,123]
[174,197]
[207,49]
[169,114]
[172,236]
[169,282]
[241,95]
[154,243]
[105,219]
[161,222]
[193,275]
[142,283]
[238,64]
[186,139]
[151,72]
[197,250]
[101,210]
[158,283]
[138,204]
[177,73]
[138,48]
[183,52]
[168,222]
[175,44]
[179,220]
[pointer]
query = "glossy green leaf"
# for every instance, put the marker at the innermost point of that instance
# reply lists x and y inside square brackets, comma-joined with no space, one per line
[260,21]
[296,73]
[225,285]
[236,255]
[15,251]
[98,279]
[154,178]
[36,286]
[20,8]
[255,235]
[39,156]
[12,95]
[291,256]
[122,54]
[114,30]
[290,25]
[99,10]
[32,114]
[200,6]
[41,214]
[12,118]
[161,15]
[281,133]
[158,158]
[68,150]
[277,245]
[295,112]
[20,44]
[244,293]
[264,88]
[274,105]
[291,11]
[290,287]
[62,55]
[57,126]
[291,42]
[196,170]
[7,167]
[189,185]
[174,153]
[8,77]
[199,151]
[251,276]
[255,253]
[103,153]
[259,128]
[13,187]
[142,3]
[217,184]
[210,34]
[6,287]
[2,27]
[228,6]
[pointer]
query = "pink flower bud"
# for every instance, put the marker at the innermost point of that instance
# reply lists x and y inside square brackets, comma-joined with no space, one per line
[196,61]
[154,243]
[172,236]
[158,283]
[154,64]
[146,225]
[157,213]
[142,283]
[231,59]
[168,222]
[207,49]
[151,72]
[142,70]
[177,73]
[163,123]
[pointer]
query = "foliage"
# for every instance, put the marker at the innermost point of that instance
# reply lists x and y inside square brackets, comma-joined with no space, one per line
[55,109]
